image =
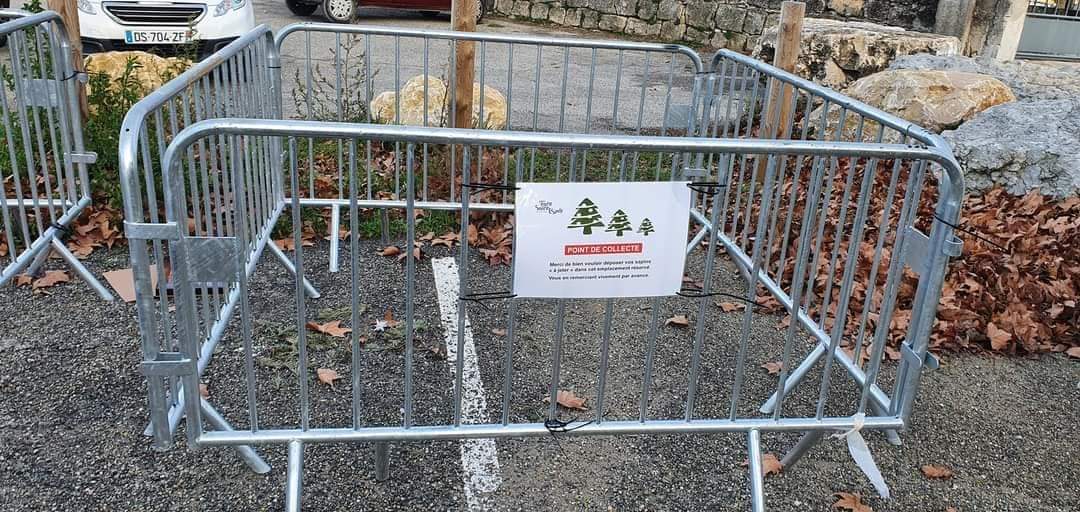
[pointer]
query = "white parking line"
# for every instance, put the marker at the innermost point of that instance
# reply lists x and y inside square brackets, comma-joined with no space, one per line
[479,459]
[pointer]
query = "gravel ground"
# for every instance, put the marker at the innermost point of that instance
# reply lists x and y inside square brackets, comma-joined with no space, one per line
[73,406]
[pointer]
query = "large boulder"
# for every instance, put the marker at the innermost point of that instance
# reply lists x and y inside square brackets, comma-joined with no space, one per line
[836,52]
[148,71]
[1022,146]
[934,100]
[1029,80]
[438,105]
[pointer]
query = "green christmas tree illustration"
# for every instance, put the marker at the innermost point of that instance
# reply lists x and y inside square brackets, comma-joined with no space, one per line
[646,227]
[586,217]
[619,223]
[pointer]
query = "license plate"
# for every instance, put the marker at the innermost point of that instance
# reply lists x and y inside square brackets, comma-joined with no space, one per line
[157,36]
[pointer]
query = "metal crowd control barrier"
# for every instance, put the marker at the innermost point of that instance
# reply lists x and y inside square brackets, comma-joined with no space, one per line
[43,164]
[779,208]
[551,84]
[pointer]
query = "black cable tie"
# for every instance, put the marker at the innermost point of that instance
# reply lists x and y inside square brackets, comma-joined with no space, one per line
[488,186]
[64,230]
[709,188]
[556,426]
[481,297]
[697,293]
[972,233]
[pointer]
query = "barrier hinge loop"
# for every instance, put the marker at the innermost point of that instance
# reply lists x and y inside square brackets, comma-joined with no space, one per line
[168,364]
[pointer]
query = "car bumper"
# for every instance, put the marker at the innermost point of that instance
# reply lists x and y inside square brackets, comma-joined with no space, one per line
[102,32]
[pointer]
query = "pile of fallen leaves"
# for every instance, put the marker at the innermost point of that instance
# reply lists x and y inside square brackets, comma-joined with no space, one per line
[1022,296]
[1013,289]
[97,227]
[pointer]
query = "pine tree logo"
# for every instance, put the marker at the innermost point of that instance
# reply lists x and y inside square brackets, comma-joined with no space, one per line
[619,223]
[646,227]
[586,217]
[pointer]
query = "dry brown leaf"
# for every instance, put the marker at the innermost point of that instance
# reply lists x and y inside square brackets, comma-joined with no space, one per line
[728,307]
[568,399]
[23,280]
[770,465]
[203,390]
[416,254]
[390,250]
[1073,352]
[327,376]
[999,338]
[678,321]
[773,367]
[498,331]
[937,471]
[331,328]
[852,502]
[951,509]
[50,279]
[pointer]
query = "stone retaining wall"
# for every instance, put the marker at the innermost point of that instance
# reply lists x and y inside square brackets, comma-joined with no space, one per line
[734,24]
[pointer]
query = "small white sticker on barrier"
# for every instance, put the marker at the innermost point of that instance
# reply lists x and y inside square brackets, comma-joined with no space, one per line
[599,240]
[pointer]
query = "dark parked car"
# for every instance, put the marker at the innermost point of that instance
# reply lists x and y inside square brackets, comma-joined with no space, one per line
[344,11]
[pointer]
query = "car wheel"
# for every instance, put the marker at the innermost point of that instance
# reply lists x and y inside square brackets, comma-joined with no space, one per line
[300,8]
[481,7]
[340,11]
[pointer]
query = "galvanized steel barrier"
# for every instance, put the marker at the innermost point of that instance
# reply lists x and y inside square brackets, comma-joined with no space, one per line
[551,84]
[779,208]
[43,164]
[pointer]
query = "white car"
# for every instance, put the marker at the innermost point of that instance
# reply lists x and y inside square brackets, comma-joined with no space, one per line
[161,26]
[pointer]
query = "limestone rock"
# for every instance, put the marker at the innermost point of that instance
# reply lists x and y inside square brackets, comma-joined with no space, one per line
[934,100]
[1022,146]
[438,105]
[1032,80]
[151,71]
[858,48]
[846,7]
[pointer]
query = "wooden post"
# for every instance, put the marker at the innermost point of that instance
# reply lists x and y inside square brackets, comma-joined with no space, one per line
[69,12]
[463,19]
[788,41]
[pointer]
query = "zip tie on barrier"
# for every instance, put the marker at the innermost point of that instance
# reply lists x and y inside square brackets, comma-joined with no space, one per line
[696,293]
[65,231]
[488,186]
[555,426]
[972,233]
[861,454]
[708,188]
[481,297]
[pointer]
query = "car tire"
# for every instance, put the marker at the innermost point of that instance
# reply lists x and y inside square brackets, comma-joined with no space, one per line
[340,11]
[481,10]
[300,8]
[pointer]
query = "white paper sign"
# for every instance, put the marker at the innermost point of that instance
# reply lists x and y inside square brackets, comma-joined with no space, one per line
[597,240]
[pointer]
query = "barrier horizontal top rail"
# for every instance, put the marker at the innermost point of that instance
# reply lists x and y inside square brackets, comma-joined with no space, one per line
[491,37]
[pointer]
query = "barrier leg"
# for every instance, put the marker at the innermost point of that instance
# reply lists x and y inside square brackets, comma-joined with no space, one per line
[247,453]
[284,259]
[797,375]
[808,440]
[382,462]
[335,227]
[80,269]
[295,480]
[757,480]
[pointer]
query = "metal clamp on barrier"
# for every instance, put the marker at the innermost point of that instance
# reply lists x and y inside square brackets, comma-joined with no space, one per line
[151,231]
[168,364]
[930,361]
[85,157]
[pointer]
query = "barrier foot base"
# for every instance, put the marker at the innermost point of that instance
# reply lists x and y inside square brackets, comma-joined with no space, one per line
[295,480]
[288,264]
[893,437]
[246,453]
[757,479]
[808,440]
[382,462]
